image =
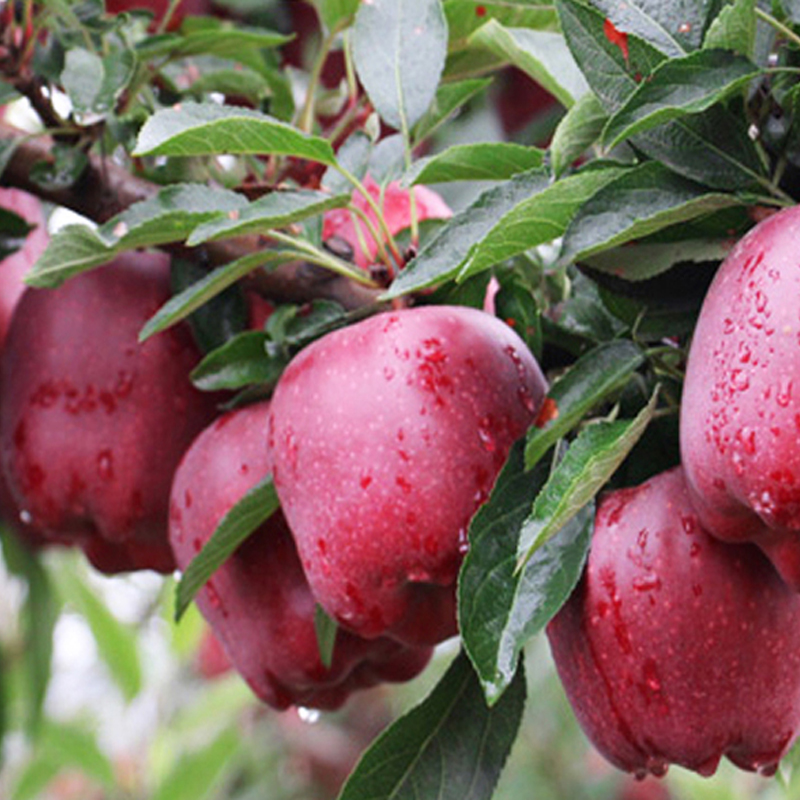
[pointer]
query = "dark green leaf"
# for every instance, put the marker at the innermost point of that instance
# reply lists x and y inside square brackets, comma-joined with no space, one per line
[645,199]
[485,161]
[542,55]
[190,299]
[399,47]
[578,130]
[499,608]
[336,14]
[679,87]
[63,171]
[251,511]
[201,129]
[590,461]
[326,629]
[449,98]
[591,380]
[734,28]
[94,84]
[240,362]
[217,39]
[450,747]
[274,210]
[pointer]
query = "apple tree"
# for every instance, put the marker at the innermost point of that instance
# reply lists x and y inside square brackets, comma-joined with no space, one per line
[338,330]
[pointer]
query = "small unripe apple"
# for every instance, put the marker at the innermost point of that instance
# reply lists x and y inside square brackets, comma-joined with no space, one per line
[677,648]
[92,423]
[258,603]
[395,203]
[387,436]
[740,412]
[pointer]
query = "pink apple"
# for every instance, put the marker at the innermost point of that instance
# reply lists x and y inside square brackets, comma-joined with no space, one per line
[258,603]
[387,435]
[740,413]
[677,648]
[93,424]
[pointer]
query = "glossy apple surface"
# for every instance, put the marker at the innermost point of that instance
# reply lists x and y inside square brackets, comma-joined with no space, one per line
[93,424]
[387,436]
[258,603]
[396,206]
[677,648]
[740,413]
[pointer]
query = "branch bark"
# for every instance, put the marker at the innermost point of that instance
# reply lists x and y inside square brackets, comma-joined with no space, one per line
[105,189]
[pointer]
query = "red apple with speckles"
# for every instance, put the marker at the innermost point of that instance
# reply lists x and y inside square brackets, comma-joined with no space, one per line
[740,412]
[92,423]
[676,648]
[387,436]
[258,603]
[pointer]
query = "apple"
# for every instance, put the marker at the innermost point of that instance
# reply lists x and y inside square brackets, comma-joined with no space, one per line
[259,604]
[740,411]
[396,206]
[93,424]
[387,436]
[677,648]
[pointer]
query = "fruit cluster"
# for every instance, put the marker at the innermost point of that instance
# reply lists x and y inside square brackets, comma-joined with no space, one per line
[681,643]
[383,438]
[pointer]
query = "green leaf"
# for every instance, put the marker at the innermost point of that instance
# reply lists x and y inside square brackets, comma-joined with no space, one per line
[679,87]
[252,510]
[452,746]
[485,161]
[592,379]
[275,210]
[179,306]
[588,464]
[195,776]
[240,362]
[201,129]
[399,48]
[542,55]
[169,216]
[734,28]
[503,221]
[449,98]
[116,642]
[94,84]
[38,618]
[221,40]
[645,199]
[499,608]
[336,14]
[578,130]
[326,628]
[353,156]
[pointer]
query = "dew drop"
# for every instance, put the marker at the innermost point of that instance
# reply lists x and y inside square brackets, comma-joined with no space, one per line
[25,516]
[105,465]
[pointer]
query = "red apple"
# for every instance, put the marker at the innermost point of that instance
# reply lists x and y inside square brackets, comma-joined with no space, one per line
[93,424]
[740,413]
[396,206]
[258,603]
[387,436]
[13,268]
[677,648]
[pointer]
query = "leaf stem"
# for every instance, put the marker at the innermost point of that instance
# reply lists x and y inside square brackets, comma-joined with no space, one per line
[779,26]
[306,118]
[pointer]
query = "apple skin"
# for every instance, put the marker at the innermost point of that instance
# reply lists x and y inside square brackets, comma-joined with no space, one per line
[396,206]
[387,436]
[93,424]
[740,411]
[676,648]
[259,604]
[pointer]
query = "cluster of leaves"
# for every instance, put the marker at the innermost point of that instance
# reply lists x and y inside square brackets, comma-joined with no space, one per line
[680,128]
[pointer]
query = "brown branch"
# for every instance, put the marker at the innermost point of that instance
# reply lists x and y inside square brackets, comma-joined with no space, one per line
[105,189]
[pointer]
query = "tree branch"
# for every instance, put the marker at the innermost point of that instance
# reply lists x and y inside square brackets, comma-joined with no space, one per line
[105,189]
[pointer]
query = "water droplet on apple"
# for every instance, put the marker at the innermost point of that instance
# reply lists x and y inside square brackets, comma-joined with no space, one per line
[486,436]
[310,716]
[647,583]
[784,394]
[25,516]
[105,465]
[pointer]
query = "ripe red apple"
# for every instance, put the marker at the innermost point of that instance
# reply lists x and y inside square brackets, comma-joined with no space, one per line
[740,414]
[13,268]
[258,603]
[396,207]
[93,424]
[387,436]
[677,648]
